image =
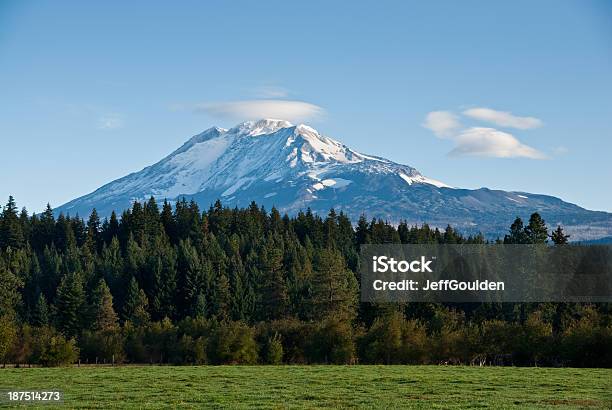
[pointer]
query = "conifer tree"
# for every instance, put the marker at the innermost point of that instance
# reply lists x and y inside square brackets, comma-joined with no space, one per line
[79,229]
[161,279]
[200,308]
[362,234]
[334,287]
[237,281]
[11,234]
[136,305]
[10,296]
[93,231]
[536,230]
[274,296]
[331,230]
[44,229]
[136,222]
[26,224]
[559,237]
[221,297]
[152,222]
[51,271]
[276,222]
[40,315]
[517,233]
[103,313]
[190,278]
[134,257]
[64,235]
[70,304]
[111,265]
[112,229]
[450,235]
[168,222]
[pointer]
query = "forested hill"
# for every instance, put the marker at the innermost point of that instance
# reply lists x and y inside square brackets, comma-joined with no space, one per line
[178,284]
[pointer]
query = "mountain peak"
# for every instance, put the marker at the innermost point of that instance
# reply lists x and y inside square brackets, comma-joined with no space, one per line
[205,135]
[294,167]
[259,127]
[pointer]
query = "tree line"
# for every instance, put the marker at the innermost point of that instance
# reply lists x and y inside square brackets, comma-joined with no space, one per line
[175,284]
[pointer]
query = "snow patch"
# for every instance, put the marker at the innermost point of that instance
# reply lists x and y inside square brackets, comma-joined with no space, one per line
[274,175]
[370,158]
[318,186]
[266,126]
[335,183]
[420,179]
[235,187]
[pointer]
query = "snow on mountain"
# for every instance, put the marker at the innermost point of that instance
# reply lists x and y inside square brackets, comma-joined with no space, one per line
[276,163]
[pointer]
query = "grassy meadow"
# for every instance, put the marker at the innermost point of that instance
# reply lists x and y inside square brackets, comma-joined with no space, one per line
[318,386]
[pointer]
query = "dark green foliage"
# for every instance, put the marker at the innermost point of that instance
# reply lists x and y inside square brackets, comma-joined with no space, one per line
[536,230]
[274,294]
[334,287]
[234,343]
[11,231]
[247,286]
[103,315]
[10,297]
[57,350]
[48,347]
[517,234]
[40,315]
[274,350]
[559,237]
[8,332]
[70,304]
[135,308]
[332,341]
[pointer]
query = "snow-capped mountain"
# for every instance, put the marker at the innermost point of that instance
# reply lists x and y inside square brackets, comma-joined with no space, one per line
[276,163]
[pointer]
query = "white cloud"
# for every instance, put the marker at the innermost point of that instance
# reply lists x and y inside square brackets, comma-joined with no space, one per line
[560,150]
[256,109]
[503,118]
[110,122]
[489,142]
[442,123]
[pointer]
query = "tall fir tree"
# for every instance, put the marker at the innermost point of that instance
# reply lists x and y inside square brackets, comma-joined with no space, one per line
[11,233]
[559,237]
[112,228]
[135,308]
[517,233]
[275,298]
[70,304]
[94,240]
[40,314]
[536,230]
[103,315]
[10,295]
[111,265]
[334,287]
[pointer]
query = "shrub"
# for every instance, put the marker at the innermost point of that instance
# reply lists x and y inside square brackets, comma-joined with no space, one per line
[234,343]
[51,348]
[274,350]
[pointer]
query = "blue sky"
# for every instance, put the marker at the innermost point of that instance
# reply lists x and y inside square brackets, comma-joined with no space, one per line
[514,95]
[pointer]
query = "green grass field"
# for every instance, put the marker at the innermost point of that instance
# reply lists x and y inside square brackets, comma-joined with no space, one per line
[319,386]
